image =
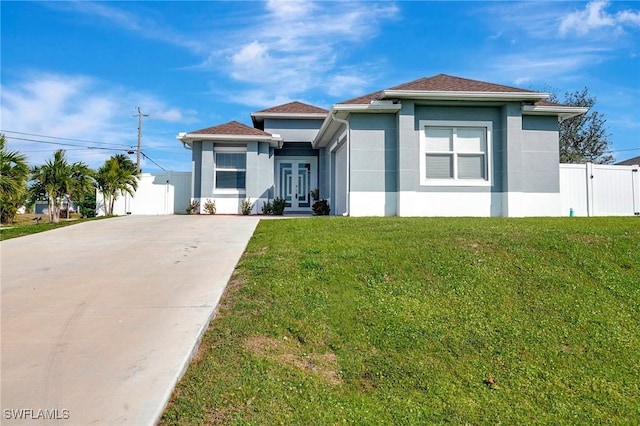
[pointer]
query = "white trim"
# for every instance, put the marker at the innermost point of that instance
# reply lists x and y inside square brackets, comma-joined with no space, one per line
[424,181]
[189,138]
[231,149]
[374,106]
[564,112]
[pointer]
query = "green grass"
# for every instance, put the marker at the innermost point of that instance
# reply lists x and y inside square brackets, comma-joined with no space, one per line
[25,226]
[402,321]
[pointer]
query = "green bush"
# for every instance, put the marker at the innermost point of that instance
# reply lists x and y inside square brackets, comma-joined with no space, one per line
[321,208]
[267,208]
[246,206]
[278,206]
[87,206]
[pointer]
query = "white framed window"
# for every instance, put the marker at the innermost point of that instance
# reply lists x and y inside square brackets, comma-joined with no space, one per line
[230,169]
[455,153]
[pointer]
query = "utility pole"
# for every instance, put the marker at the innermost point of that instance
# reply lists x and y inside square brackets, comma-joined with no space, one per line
[139,115]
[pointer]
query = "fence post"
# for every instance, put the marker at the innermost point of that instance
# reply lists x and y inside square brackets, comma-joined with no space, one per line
[589,176]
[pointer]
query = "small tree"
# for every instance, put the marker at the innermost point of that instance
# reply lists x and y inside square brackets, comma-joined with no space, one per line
[14,173]
[583,138]
[118,175]
[56,180]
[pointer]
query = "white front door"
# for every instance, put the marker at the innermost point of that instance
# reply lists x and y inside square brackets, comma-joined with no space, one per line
[296,179]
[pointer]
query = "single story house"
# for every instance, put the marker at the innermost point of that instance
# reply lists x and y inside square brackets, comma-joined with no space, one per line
[437,146]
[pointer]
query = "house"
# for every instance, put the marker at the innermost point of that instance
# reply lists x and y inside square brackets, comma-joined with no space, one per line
[437,146]
[630,162]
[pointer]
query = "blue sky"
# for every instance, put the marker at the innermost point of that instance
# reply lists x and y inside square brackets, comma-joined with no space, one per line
[78,70]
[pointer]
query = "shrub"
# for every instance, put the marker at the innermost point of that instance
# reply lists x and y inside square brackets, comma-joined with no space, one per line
[210,206]
[321,208]
[267,208]
[194,207]
[278,206]
[246,206]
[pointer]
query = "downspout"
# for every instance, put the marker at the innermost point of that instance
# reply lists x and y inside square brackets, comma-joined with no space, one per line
[348,143]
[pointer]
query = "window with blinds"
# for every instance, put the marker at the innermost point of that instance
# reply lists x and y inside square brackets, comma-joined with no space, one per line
[230,170]
[457,154]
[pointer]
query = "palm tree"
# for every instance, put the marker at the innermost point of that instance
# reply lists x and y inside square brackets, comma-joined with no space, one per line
[57,180]
[14,173]
[82,182]
[118,175]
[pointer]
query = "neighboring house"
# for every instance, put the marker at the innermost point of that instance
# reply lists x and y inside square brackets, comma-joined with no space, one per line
[438,146]
[630,162]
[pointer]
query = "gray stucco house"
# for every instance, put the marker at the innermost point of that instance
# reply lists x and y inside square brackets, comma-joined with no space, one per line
[437,146]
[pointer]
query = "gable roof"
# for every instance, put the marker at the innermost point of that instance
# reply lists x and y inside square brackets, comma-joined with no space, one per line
[232,131]
[295,109]
[234,128]
[448,83]
[443,86]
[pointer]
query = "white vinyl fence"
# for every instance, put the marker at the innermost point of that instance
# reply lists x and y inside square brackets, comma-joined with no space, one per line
[585,190]
[599,190]
[157,194]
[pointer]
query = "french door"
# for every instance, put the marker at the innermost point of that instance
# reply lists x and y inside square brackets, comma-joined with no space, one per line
[296,178]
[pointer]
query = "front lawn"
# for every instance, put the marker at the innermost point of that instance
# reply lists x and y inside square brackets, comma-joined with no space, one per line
[423,321]
[27,224]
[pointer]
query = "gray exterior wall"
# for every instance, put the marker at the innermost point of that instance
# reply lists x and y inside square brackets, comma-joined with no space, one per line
[512,148]
[410,144]
[408,148]
[196,169]
[540,154]
[293,130]
[260,164]
[259,176]
[374,153]
[323,173]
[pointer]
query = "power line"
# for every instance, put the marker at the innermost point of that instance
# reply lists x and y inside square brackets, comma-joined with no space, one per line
[150,159]
[67,144]
[59,138]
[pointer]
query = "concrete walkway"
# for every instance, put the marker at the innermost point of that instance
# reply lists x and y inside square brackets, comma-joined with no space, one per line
[100,319]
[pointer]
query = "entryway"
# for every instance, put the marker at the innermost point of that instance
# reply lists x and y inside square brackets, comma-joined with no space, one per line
[296,178]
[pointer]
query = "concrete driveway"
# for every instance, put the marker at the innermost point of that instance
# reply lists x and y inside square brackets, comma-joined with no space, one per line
[100,319]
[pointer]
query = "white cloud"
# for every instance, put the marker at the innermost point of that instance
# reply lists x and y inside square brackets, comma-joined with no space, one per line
[346,85]
[295,45]
[595,17]
[78,107]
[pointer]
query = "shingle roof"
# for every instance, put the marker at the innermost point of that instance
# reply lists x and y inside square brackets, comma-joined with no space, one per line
[231,128]
[447,83]
[630,162]
[440,83]
[295,107]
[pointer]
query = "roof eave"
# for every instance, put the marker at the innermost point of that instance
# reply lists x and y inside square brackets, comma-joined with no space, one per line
[464,96]
[346,109]
[298,115]
[563,112]
[189,138]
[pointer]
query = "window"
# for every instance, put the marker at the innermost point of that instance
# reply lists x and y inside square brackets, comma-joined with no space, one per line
[455,153]
[230,170]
